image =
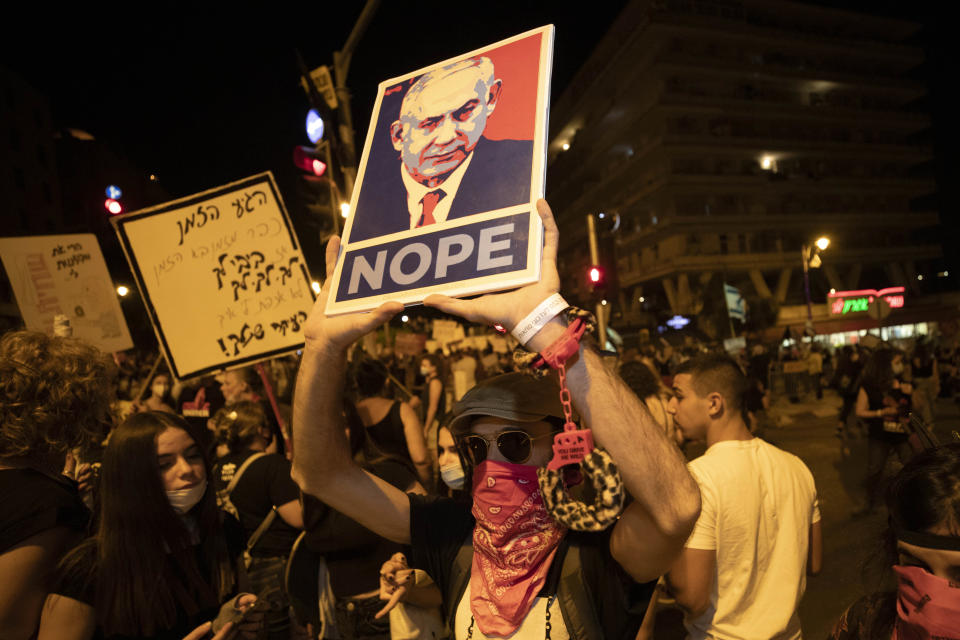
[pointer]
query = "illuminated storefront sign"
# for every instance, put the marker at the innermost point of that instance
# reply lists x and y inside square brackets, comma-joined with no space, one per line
[844,302]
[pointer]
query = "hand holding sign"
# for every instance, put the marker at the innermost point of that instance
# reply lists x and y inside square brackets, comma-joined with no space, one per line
[339,332]
[508,309]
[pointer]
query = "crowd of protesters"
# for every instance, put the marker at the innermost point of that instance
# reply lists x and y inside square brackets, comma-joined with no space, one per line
[346,494]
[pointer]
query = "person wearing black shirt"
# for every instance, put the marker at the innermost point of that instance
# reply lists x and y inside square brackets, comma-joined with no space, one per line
[263,488]
[55,396]
[883,403]
[392,425]
[598,573]
[846,379]
[163,559]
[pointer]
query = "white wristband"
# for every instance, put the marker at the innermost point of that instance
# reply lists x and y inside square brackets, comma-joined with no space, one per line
[544,313]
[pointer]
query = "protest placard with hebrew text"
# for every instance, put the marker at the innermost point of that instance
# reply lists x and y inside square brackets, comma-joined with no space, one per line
[66,274]
[221,274]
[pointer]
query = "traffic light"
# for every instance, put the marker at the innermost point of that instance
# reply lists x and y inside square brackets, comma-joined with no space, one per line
[595,276]
[314,126]
[113,206]
[112,203]
[306,158]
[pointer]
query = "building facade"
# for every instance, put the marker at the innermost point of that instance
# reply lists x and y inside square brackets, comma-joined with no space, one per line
[726,135]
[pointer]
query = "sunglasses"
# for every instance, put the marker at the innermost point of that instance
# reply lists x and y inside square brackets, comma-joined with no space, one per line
[515,445]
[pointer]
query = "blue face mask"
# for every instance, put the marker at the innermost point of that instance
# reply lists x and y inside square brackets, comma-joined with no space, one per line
[452,475]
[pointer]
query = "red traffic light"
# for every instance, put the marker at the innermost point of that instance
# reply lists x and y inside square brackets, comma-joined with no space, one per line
[306,158]
[113,206]
[595,274]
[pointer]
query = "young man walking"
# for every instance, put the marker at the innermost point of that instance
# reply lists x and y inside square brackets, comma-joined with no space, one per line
[743,570]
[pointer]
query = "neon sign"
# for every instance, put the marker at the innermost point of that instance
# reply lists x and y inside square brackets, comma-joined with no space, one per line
[844,302]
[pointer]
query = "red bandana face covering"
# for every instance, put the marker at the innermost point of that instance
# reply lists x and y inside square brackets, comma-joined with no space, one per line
[514,542]
[928,607]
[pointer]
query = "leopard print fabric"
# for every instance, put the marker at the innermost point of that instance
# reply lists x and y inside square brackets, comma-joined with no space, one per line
[603,473]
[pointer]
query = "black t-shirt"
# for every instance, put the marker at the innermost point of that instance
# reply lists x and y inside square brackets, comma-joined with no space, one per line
[80,583]
[266,483]
[388,435]
[32,502]
[439,527]
[353,553]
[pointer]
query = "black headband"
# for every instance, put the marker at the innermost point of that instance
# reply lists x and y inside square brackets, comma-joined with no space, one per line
[926,540]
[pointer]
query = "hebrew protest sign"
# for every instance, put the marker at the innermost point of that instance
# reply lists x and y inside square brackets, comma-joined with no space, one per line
[66,274]
[454,160]
[221,274]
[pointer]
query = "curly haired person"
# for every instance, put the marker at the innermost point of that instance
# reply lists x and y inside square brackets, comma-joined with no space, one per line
[55,396]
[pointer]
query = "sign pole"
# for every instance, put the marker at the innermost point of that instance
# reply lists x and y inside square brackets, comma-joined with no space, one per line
[146,382]
[273,405]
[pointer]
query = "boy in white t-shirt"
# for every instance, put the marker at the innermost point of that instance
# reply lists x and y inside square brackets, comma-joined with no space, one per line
[743,570]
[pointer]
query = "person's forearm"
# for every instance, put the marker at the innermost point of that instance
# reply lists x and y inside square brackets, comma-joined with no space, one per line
[653,469]
[424,470]
[318,431]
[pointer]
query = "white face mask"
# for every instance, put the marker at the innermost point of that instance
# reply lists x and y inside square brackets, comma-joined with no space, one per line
[182,500]
[897,368]
[424,371]
[452,475]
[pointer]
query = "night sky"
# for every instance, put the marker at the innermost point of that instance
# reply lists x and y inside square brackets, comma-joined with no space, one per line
[205,97]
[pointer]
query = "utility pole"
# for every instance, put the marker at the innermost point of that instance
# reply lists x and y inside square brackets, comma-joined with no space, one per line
[341,67]
[595,260]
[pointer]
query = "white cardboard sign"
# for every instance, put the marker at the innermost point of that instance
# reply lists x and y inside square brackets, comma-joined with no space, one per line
[66,274]
[221,274]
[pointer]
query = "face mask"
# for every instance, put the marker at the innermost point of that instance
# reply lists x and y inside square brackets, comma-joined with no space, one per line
[182,500]
[514,542]
[424,371]
[452,475]
[897,368]
[927,606]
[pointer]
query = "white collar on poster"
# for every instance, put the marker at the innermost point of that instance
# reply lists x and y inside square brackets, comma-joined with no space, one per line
[416,191]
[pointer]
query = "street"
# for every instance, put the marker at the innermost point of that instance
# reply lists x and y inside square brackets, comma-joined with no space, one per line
[807,430]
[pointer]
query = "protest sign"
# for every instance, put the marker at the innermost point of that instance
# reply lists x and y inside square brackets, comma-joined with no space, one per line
[735,345]
[454,161]
[221,275]
[66,274]
[409,344]
[736,306]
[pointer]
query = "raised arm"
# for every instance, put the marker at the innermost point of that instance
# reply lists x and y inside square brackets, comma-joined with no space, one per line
[322,464]
[666,503]
[436,389]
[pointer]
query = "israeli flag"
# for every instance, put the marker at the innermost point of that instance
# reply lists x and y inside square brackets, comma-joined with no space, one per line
[736,306]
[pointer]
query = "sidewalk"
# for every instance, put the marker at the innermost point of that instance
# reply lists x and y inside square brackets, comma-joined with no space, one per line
[783,413]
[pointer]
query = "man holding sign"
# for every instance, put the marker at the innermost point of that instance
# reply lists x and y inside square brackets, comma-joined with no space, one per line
[595,594]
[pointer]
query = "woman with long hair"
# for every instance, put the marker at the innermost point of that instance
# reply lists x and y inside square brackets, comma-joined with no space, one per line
[164,558]
[258,485]
[922,551]
[883,403]
[392,425]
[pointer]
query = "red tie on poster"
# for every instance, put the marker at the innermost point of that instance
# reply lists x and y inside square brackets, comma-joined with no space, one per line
[429,203]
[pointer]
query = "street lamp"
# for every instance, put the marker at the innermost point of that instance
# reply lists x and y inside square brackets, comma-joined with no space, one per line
[810,256]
